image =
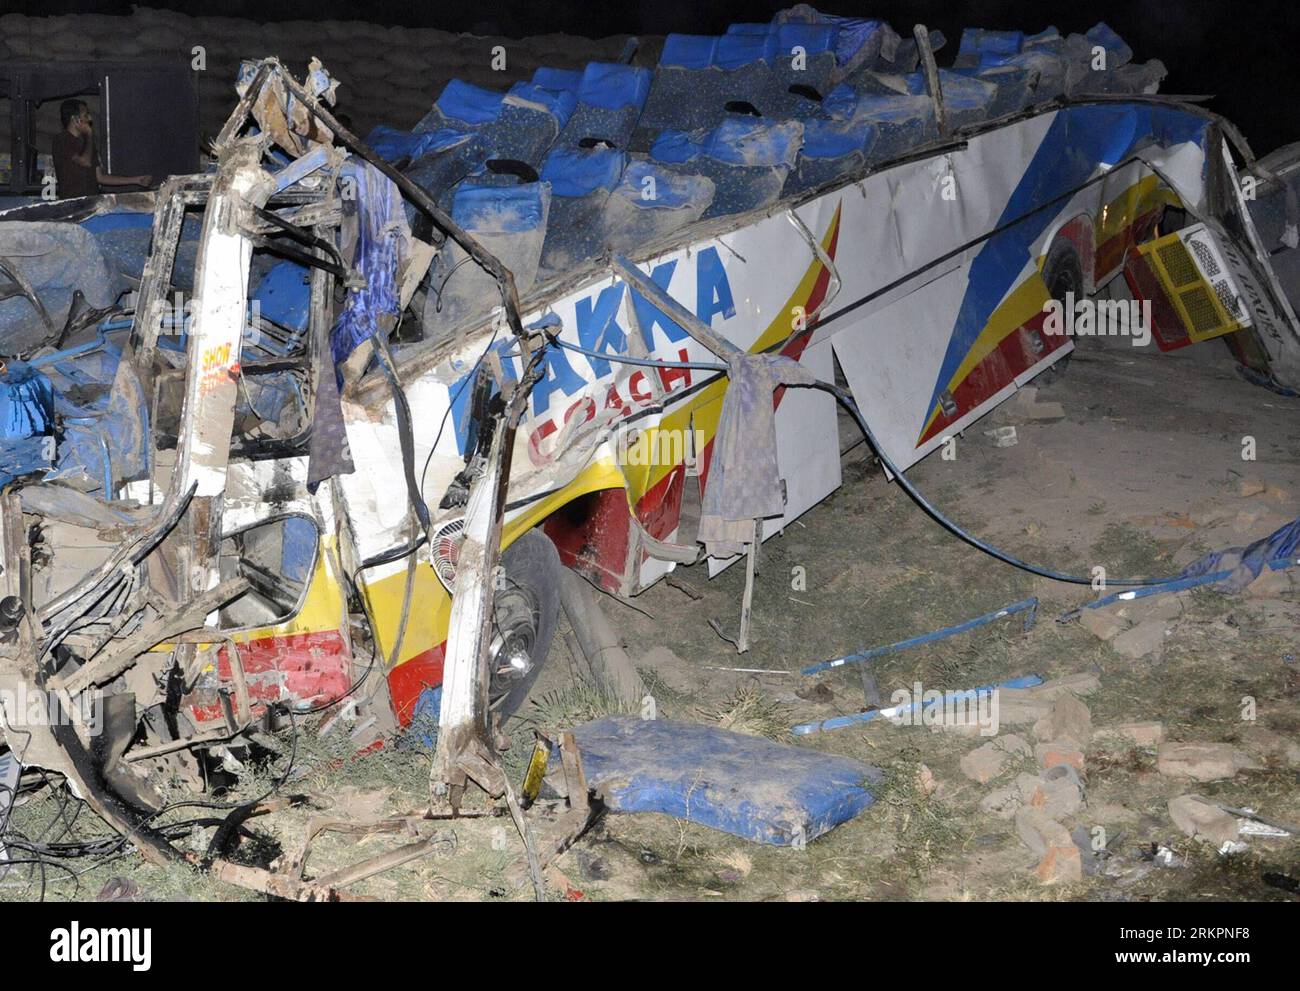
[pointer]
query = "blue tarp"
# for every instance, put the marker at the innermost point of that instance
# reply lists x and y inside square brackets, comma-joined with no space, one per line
[1247,562]
[748,786]
[26,420]
[381,234]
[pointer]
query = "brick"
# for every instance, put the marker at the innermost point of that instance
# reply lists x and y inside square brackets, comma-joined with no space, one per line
[1269,585]
[1144,640]
[1202,761]
[1060,864]
[985,763]
[1081,684]
[1104,624]
[1059,752]
[1200,818]
[1006,802]
[1040,832]
[1143,734]
[1273,744]
[1069,719]
[1163,607]
[1058,792]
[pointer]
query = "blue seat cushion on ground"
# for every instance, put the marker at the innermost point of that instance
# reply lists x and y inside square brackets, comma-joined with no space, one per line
[531,118]
[735,51]
[671,190]
[966,100]
[748,786]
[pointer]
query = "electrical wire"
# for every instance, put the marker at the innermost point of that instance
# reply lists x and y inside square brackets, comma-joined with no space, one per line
[846,400]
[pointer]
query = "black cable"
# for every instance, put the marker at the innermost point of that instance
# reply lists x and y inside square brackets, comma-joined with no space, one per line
[846,399]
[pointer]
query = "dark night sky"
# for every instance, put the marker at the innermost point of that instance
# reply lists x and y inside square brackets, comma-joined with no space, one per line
[1244,52]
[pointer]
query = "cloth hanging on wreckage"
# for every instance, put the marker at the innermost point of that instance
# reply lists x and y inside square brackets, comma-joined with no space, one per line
[382,240]
[744,482]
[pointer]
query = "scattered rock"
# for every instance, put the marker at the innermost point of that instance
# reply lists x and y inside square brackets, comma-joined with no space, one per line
[1110,813]
[1202,761]
[1252,487]
[1269,585]
[1092,860]
[1143,734]
[1058,792]
[1143,640]
[1081,684]
[1102,623]
[1273,744]
[1247,520]
[1040,832]
[1006,802]
[1199,817]
[1059,752]
[1060,864]
[1050,841]
[820,693]
[985,763]
[1069,719]
[1016,709]
[925,779]
[1162,607]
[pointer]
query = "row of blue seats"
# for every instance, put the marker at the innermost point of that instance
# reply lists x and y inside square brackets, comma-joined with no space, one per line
[572,163]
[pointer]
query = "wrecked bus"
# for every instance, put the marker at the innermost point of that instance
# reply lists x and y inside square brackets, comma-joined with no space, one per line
[331,428]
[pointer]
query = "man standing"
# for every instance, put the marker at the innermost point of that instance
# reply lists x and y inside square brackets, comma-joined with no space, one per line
[76,159]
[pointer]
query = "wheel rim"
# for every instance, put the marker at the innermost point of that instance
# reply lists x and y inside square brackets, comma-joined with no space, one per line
[514,636]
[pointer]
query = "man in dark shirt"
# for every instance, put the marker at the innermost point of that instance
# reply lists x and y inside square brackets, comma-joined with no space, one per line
[76,159]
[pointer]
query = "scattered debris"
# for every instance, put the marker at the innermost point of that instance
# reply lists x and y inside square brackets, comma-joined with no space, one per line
[1050,841]
[1202,761]
[986,762]
[1142,734]
[1197,816]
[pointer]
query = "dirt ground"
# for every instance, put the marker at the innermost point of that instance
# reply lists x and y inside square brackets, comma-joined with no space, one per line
[1144,474]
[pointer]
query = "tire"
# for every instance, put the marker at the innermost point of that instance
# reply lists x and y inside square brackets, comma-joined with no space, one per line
[524,613]
[1062,274]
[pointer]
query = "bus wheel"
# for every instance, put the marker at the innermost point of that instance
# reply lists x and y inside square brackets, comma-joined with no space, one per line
[1062,274]
[524,612]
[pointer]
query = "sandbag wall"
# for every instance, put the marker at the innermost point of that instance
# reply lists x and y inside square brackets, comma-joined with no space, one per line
[387,74]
